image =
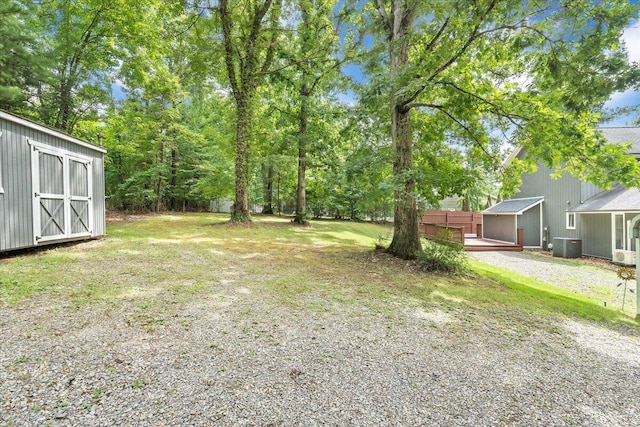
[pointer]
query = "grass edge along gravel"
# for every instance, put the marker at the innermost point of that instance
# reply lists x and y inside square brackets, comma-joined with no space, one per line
[36,273]
[550,299]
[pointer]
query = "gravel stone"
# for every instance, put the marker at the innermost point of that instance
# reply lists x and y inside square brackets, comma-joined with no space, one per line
[242,359]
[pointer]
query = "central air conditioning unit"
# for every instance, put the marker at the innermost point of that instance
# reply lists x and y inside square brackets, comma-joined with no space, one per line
[624,257]
[566,247]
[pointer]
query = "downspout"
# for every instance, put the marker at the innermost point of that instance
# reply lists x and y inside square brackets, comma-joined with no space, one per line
[542,228]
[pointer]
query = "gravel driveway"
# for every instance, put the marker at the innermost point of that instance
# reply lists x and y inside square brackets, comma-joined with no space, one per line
[235,354]
[595,282]
[234,358]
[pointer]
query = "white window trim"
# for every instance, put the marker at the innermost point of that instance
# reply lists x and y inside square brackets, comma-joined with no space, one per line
[569,215]
[1,187]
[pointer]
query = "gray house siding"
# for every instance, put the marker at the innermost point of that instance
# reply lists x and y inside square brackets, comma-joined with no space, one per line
[499,227]
[597,242]
[17,196]
[529,221]
[556,193]
[589,190]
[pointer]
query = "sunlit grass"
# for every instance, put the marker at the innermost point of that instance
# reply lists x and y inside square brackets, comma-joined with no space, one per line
[538,296]
[163,261]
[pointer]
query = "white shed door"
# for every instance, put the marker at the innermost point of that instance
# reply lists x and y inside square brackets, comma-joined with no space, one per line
[62,194]
[80,197]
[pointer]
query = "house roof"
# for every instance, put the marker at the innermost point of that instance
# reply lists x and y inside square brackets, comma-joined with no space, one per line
[514,206]
[619,135]
[616,199]
[624,135]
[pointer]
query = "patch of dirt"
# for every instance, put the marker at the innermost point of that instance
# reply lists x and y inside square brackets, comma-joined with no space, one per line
[113,216]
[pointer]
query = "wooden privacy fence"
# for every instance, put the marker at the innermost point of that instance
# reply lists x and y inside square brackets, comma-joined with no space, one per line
[434,231]
[471,222]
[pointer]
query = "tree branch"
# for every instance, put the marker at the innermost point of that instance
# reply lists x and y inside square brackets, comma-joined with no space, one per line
[475,34]
[385,16]
[497,109]
[225,20]
[468,130]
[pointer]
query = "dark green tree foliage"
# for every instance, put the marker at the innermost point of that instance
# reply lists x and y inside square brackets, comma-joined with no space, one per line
[249,33]
[482,66]
[21,61]
[311,63]
[168,142]
[351,174]
[167,158]
[81,39]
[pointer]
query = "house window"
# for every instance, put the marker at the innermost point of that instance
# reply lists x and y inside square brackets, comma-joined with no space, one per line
[619,231]
[571,221]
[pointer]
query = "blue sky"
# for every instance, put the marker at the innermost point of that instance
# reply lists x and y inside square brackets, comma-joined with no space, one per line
[629,98]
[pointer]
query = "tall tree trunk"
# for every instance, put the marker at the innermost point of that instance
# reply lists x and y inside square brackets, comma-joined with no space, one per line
[240,211]
[267,188]
[278,201]
[466,202]
[301,191]
[406,236]
[158,188]
[173,182]
[64,109]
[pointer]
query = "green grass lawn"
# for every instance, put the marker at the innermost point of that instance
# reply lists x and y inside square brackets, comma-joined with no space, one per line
[162,261]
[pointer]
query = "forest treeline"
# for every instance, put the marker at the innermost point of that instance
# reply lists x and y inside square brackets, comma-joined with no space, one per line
[321,107]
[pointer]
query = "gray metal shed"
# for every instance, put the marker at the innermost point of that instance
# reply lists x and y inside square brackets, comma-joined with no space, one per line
[501,222]
[51,186]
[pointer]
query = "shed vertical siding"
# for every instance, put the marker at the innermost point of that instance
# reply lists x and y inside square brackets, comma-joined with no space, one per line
[99,208]
[556,193]
[16,202]
[499,227]
[3,183]
[529,221]
[17,212]
[598,241]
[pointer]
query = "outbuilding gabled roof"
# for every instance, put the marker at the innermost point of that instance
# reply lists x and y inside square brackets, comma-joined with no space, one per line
[50,131]
[514,206]
[618,199]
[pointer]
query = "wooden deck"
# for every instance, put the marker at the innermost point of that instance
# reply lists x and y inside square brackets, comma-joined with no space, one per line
[477,244]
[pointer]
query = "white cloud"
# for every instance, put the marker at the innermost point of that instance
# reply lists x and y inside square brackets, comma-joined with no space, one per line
[631,38]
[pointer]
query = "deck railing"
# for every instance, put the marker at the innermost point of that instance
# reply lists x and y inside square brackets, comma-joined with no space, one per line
[470,221]
[436,231]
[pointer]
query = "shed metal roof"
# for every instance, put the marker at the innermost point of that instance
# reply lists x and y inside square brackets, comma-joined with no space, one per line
[617,199]
[58,134]
[514,206]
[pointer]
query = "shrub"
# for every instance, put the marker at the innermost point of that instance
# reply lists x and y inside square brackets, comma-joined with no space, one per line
[443,256]
[382,242]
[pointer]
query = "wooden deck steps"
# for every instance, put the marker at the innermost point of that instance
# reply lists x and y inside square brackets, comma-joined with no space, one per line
[476,244]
